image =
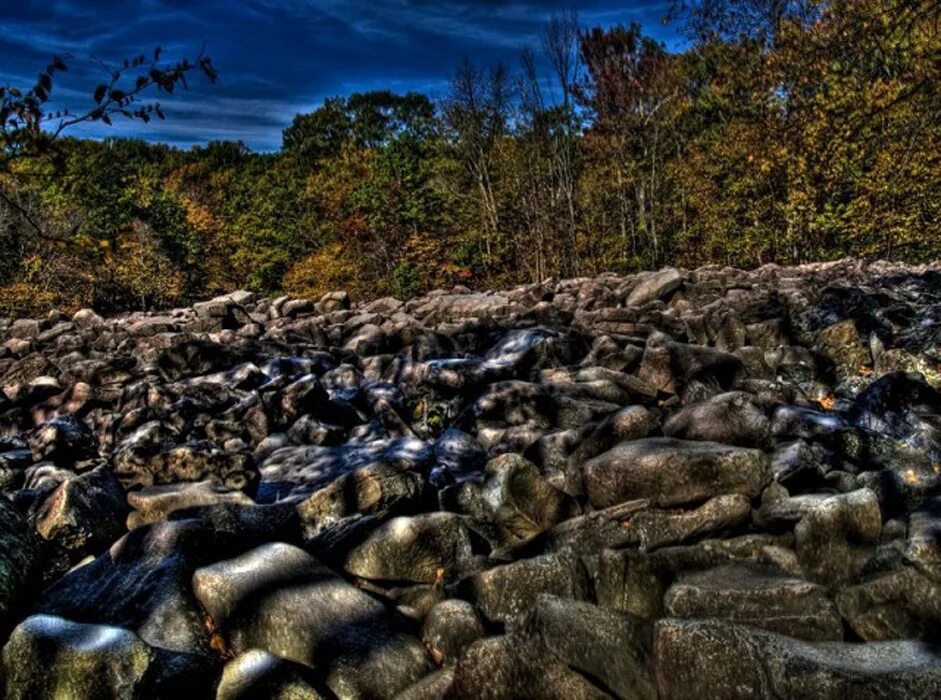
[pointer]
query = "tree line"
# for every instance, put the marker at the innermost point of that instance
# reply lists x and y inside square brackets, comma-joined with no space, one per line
[787,131]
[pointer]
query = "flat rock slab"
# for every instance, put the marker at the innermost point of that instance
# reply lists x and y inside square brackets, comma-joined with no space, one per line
[718,659]
[673,472]
[756,597]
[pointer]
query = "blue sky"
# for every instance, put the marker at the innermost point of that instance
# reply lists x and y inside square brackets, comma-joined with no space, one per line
[277,58]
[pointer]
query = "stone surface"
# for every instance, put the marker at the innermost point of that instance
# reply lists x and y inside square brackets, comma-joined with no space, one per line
[474,494]
[708,659]
[756,597]
[279,599]
[421,549]
[673,472]
[603,645]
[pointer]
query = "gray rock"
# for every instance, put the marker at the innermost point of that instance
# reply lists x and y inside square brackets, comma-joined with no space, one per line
[422,548]
[834,541]
[673,472]
[655,286]
[757,597]
[713,658]
[449,628]
[729,418]
[653,528]
[507,593]
[515,668]
[258,675]
[603,645]
[279,599]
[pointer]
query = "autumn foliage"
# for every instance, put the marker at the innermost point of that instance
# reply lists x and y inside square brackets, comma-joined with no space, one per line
[785,132]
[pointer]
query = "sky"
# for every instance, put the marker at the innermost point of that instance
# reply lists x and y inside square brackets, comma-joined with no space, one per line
[278,58]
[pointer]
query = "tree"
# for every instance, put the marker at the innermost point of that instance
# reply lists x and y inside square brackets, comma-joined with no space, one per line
[476,113]
[28,129]
[628,88]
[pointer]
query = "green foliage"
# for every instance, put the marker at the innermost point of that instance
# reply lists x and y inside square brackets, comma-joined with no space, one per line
[406,280]
[803,134]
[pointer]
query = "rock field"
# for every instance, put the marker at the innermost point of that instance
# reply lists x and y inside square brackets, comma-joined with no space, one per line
[682,484]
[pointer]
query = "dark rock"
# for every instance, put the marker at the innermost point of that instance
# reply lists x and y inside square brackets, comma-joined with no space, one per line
[258,675]
[653,528]
[377,490]
[279,599]
[730,418]
[609,648]
[191,462]
[459,454]
[142,583]
[899,605]
[635,582]
[507,593]
[298,471]
[712,658]
[756,597]
[64,439]
[155,503]
[423,549]
[923,548]
[83,516]
[510,667]
[516,499]
[19,563]
[673,472]
[449,628]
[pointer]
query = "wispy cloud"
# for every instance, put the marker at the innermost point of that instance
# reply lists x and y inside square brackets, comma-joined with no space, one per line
[280,57]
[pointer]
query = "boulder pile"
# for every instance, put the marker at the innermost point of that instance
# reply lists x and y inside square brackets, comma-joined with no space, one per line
[683,484]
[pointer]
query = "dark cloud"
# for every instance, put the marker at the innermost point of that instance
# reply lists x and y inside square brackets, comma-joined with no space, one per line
[280,57]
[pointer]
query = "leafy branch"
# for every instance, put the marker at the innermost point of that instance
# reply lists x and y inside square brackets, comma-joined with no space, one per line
[28,129]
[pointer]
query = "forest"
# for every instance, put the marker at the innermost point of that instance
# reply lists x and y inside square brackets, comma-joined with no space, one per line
[786,132]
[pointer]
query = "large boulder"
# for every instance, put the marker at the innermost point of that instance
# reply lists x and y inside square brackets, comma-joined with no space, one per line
[514,668]
[836,538]
[714,658]
[20,558]
[422,549]
[50,657]
[655,286]
[279,599]
[730,418]
[757,597]
[673,472]
[605,645]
